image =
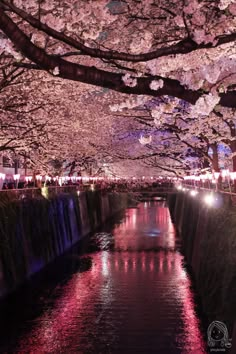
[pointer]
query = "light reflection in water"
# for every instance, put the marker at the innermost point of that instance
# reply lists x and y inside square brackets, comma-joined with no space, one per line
[105,265]
[150,221]
[125,299]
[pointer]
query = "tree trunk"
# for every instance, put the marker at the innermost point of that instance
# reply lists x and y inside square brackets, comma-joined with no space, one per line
[16,166]
[233,149]
[215,158]
[72,169]
[215,164]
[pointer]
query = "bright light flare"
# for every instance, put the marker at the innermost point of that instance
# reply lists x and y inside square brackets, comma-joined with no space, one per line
[44,192]
[193,193]
[209,199]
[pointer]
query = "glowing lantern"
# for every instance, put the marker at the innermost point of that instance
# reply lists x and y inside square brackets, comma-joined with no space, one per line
[193,193]
[233,175]
[203,177]
[209,176]
[216,175]
[225,173]
[209,199]
[16,177]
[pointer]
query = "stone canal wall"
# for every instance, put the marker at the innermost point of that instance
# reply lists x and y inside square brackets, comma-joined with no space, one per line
[33,232]
[208,236]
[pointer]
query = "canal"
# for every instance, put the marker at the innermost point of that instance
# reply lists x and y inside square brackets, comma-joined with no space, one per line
[125,290]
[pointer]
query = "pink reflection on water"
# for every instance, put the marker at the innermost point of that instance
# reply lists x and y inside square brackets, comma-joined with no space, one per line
[51,335]
[161,262]
[133,262]
[150,223]
[124,292]
[151,265]
[191,339]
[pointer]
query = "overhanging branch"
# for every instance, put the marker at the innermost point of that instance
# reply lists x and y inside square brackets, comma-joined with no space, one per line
[94,76]
[184,46]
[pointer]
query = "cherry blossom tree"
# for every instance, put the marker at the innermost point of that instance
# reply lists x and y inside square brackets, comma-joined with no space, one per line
[133,52]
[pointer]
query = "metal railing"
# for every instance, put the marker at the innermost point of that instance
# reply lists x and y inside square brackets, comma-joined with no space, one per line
[55,190]
[228,196]
[36,192]
[154,190]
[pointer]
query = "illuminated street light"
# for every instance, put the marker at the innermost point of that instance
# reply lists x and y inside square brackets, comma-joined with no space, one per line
[209,199]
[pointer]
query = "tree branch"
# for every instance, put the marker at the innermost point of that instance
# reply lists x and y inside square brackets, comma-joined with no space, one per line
[184,46]
[94,76]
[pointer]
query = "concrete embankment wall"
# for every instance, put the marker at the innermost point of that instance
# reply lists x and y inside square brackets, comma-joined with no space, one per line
[33,232]
[208,236]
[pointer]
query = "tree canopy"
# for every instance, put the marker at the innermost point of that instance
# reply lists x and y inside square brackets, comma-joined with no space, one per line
[164,69]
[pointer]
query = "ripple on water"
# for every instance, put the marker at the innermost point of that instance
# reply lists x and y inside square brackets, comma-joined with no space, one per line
[129,294]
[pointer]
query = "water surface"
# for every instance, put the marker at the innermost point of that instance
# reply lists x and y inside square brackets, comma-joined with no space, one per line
[132,294]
